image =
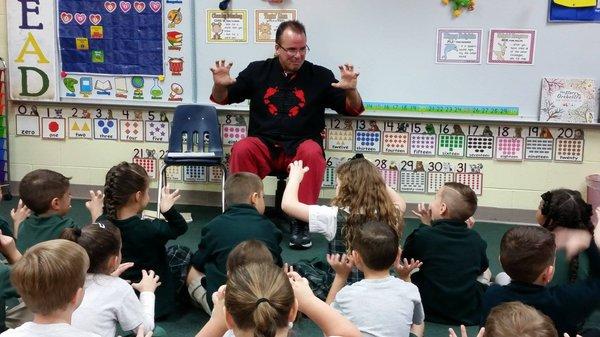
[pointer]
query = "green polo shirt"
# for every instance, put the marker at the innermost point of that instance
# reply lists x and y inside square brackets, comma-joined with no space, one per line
[36,229]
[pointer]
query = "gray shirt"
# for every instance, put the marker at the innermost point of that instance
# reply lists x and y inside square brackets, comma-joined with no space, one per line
[382,307]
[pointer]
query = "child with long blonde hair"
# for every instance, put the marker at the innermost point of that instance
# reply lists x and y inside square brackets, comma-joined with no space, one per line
[361,196]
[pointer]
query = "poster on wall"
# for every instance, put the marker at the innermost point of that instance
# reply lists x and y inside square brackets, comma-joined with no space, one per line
[229,26]
[126,51]
[31,54]
[574,11]
[266,22]
[511,46]
[569,100]
[459,46]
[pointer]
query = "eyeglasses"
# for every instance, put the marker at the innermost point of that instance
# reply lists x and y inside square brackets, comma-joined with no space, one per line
[293,51]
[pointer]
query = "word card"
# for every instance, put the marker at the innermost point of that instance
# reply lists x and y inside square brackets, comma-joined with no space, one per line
[435,180]
[27,125]
[480,147]
[329,177]
[368,141]
[53,128]
[422,144]
[157,131]
[80,128]
[451,145]
[395,142]
[390,177]
[568,149]
[194,173]
[105,128]
[473,180]
[412,181]
[233,133]
[131,131]
[509,148]
[215,174]
[148,163]
[537,148]
[340,140]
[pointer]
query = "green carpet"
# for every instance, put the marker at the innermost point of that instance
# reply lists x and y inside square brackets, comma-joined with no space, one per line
[187,321]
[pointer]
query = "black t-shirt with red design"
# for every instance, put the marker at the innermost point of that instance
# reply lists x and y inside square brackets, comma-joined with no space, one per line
[285,111]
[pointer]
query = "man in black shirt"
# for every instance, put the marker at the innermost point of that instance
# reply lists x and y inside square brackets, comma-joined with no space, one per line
[288,97]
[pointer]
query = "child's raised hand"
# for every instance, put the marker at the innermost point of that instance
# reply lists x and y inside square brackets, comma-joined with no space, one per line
[424,213]
[302,291]
[288,268]
[573,241]
[168,198]
[297,170]
[463,332]
[20,213]
[149,282]
[121,269]
[470,222]
[95,204]
[341,264]
[8,248]
[404,268]
[140,332]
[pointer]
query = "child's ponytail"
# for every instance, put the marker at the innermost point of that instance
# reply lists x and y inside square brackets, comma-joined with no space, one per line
[122,181]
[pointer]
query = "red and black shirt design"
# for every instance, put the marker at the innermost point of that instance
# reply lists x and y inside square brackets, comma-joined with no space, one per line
[286,110]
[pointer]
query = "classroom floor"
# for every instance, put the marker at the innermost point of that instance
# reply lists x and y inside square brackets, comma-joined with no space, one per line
[187,321]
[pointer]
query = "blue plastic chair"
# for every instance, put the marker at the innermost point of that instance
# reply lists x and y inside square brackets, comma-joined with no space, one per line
[195,140]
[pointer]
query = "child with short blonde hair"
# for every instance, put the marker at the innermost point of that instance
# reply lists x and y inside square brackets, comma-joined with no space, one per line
[50,278]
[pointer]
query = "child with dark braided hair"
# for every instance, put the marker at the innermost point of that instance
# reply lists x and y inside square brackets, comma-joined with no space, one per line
[144,241]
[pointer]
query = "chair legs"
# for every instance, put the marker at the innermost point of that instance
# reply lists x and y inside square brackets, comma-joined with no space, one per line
[162,181]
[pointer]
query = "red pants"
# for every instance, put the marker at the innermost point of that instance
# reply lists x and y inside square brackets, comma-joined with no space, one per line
[252,155]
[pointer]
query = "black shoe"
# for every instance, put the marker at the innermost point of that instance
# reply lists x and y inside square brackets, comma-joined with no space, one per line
[299,236]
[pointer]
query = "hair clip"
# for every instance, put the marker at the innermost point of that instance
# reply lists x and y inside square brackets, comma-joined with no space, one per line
[358,156]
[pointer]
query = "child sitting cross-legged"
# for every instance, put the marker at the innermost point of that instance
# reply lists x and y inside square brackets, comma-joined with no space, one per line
[108,299]
[243,220]
[453,256]
[380,305]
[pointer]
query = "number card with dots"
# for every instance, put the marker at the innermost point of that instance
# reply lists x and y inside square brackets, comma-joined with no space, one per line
[508,148]
[132,130]
[568,149]
[53,128]
[106,129]
[233,133]
[215,174]
[148,163]
[390,177]
[194,174]
[451,145]
[435,180]
[340,140]
[473,180]
[422,144]
[173,173]
[412,181]
[157,131]
[537,148]
[329,177]
[480,147]
[395,142]
[367,141]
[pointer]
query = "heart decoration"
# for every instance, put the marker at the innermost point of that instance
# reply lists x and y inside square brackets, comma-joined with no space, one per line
[125,6]
[110,6]
[155,6]
[66,17]
[139,6]
[95,19]
[80,18]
